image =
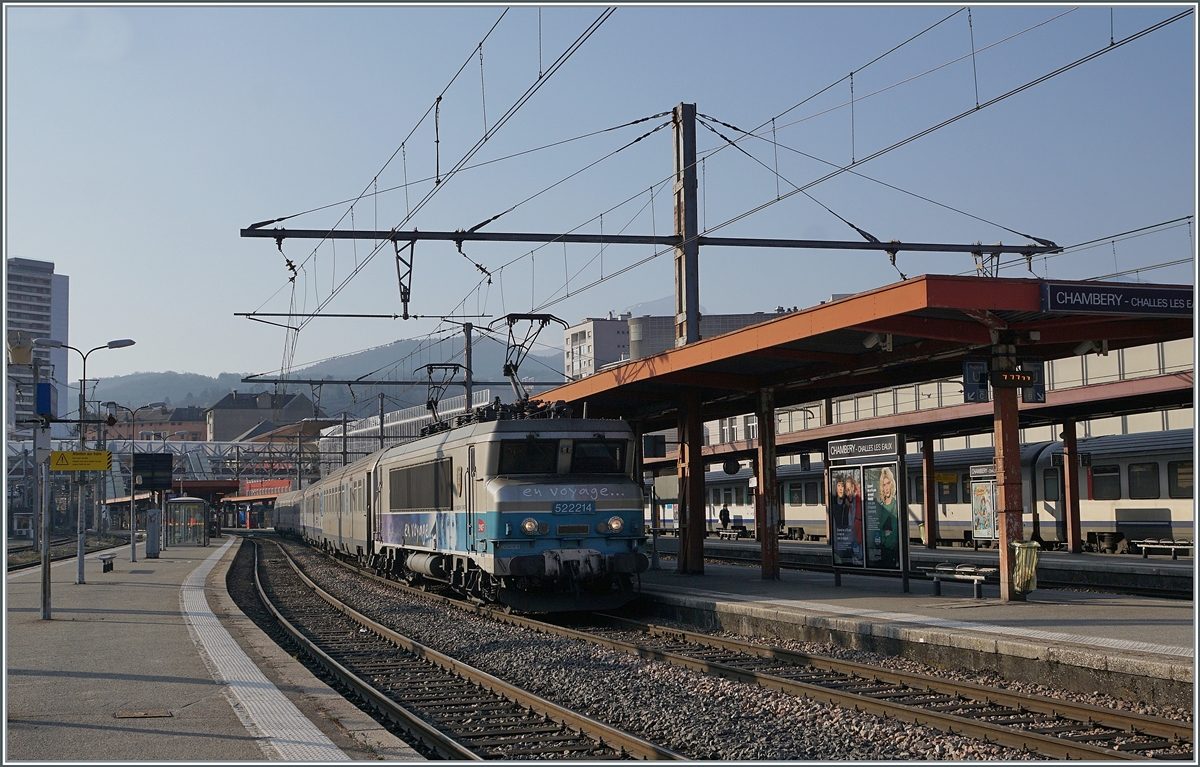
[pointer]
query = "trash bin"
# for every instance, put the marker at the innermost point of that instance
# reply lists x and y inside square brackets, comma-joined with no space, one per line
[1025,566]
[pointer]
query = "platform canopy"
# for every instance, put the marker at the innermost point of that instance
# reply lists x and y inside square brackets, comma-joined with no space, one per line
[918,330]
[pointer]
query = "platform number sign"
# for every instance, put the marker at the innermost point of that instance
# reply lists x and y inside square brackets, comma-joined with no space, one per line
[1036,390]
[975,381]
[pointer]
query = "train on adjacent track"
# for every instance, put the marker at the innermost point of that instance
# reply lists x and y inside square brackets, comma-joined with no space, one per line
[517,504]
[1137,486]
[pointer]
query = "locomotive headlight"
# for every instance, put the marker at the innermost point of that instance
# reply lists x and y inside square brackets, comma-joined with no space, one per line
[616,525]
[529,526]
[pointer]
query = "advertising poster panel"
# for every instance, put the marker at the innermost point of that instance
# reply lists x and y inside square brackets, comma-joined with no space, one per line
[983,510]
[881,516]
[845,516]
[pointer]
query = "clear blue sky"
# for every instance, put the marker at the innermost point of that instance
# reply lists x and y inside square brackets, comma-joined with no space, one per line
[139,140]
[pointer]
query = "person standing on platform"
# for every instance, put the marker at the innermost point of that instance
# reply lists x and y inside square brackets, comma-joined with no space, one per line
[724,516]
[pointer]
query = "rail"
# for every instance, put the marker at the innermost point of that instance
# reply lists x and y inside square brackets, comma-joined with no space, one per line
[1051,727]
[605,741]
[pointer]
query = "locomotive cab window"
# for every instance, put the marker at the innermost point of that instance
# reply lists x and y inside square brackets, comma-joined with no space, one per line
[1179,479]
[1106,483]
[1143,480]
[599,457]
[528,456]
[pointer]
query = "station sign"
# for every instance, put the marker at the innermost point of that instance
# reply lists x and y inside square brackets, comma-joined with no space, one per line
[80,460]
[1093,298]
[984,470]
[864,447]
[152,471]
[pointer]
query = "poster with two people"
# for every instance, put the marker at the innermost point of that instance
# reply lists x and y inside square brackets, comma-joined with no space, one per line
[864,516]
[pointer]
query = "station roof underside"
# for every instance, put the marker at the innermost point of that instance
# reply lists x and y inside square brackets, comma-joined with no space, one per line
[935,322]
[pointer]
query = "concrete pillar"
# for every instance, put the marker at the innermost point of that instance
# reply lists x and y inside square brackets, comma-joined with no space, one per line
[1070,502]
[929,496]
[691,485]
[766,504]
[1008,472]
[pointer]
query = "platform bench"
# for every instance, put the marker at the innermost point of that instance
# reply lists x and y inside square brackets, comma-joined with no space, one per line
[106,561]
[729,535]
[1166,543]
[948,571]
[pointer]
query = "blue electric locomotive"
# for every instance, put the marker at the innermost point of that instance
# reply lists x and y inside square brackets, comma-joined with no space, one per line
[530,509]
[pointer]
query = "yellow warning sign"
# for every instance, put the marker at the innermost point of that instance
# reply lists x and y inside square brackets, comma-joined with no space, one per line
[80,460]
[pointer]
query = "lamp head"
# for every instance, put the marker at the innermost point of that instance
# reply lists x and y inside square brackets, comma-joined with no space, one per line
[53,343]
[121,343]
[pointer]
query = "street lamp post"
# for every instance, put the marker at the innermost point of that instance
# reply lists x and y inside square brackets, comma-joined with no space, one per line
[80,520]
[132,456]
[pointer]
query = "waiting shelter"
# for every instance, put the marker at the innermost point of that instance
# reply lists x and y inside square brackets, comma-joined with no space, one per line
[187,522]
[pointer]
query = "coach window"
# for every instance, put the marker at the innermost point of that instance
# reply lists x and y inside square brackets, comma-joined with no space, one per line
[948,492]
[716,496]
[810,494]
[729,496]
[794,494]
[966,487]
[1106,483]
[740,495]
[1143,480]
[1179,479]
[1050,485]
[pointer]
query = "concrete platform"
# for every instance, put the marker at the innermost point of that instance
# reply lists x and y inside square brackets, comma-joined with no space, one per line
[1090,570]
[153,662]
[1136,648]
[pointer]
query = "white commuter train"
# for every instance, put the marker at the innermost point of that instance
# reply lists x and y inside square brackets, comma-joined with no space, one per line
[1137,486]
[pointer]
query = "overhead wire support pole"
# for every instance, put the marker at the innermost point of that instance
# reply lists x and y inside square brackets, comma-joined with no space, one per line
[687,227]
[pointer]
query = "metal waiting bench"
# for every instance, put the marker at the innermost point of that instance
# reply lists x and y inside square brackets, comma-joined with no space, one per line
[1163,543]
[948,571]
[106,561]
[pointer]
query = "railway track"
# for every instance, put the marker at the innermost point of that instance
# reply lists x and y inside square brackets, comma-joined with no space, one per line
[457,711]
[1046,726]
[58,557]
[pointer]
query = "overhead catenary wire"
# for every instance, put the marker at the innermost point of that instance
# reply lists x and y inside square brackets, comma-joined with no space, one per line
[863,176]
[956,118]
[458,166]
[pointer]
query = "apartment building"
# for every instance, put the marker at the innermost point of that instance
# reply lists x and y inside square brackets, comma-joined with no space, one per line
[36,301]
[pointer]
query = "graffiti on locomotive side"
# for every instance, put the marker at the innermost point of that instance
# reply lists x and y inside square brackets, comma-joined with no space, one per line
[414,531]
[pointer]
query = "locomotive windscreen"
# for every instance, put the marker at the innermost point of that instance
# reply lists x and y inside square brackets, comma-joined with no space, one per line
[528,456]
[607,457]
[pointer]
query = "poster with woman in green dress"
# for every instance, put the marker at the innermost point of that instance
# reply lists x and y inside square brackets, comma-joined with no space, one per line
[882,517]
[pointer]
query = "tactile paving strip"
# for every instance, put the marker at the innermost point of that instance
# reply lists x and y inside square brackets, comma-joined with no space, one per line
[267,713]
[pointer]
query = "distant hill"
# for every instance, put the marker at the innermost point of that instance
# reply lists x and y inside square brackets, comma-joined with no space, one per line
[401,360]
